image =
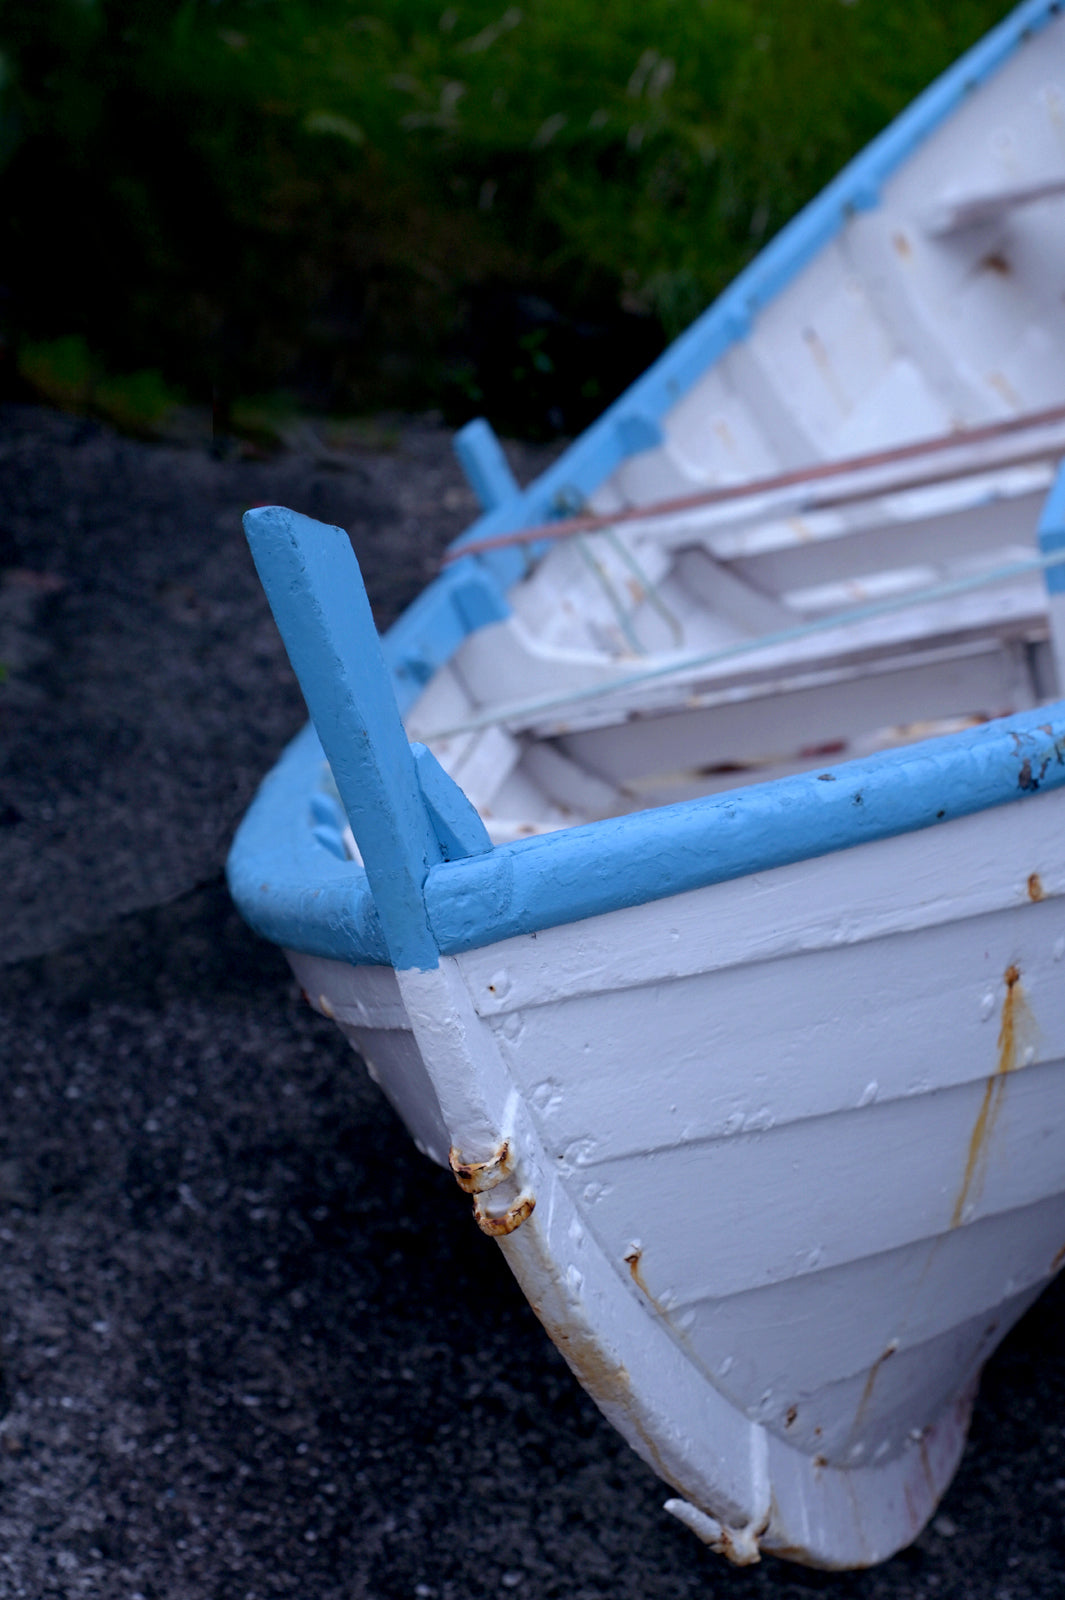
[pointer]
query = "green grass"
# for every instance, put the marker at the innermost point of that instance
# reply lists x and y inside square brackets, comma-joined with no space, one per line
[325,197]
[65,372]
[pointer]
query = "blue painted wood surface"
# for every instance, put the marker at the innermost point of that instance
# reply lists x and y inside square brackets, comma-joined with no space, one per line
[486,467]
[1052,534]
[315,589]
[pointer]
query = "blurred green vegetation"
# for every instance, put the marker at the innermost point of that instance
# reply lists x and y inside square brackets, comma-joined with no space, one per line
[367,203]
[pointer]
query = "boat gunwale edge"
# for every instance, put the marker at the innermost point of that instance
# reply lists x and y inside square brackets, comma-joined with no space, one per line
[293,891]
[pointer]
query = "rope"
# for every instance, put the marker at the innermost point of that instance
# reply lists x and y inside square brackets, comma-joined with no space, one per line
[525,711]
[591,522]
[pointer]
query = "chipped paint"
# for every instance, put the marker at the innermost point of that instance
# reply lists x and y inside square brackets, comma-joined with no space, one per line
[1002,386]
[633,1259]
[1015,1019]
[996,262]
[823,363]
[1035,887]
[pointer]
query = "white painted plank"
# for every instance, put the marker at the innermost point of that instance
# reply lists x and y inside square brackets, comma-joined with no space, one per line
[931,878]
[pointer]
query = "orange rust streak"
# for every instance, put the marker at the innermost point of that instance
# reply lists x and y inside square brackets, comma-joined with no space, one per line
[1035,887]
[984,1127]
[606,1380]
[633,1260]
[926,1467]
[870,1382]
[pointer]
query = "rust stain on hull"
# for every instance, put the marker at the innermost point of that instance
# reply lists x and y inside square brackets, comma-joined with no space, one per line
[633,1259]
[1035,887]
[934,1489]
[605,1379]
[870,1385]
[1015,1016]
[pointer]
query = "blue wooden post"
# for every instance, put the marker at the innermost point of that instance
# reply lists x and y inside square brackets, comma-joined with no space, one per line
[315,589]
[486,467]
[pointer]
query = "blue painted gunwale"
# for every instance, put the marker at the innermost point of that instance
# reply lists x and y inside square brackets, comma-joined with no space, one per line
[420,641]
[293,891]
[289,885]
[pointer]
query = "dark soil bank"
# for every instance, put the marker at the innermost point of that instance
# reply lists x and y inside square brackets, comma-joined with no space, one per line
[252,1344]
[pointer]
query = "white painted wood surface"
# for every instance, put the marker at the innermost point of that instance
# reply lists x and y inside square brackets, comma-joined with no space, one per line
[795,1145]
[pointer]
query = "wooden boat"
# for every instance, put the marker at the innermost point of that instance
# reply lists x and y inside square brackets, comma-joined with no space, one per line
[757,1083]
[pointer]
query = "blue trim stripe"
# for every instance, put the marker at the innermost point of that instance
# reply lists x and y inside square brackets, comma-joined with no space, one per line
[1052,533]
[293,891]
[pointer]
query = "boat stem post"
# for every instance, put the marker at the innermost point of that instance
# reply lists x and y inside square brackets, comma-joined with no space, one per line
[315,589]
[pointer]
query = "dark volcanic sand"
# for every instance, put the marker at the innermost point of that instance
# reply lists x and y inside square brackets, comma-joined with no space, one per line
[252,1343]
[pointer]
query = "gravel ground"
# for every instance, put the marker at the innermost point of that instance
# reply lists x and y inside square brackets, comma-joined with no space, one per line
[252,1344]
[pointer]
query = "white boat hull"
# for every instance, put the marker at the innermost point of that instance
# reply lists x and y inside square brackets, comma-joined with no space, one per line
[794,1147]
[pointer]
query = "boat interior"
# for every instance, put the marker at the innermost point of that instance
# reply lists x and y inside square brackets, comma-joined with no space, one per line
[680,655]
[832,547]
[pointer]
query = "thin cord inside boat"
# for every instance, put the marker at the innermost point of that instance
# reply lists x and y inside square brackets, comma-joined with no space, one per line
[813,473]
[526,711]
